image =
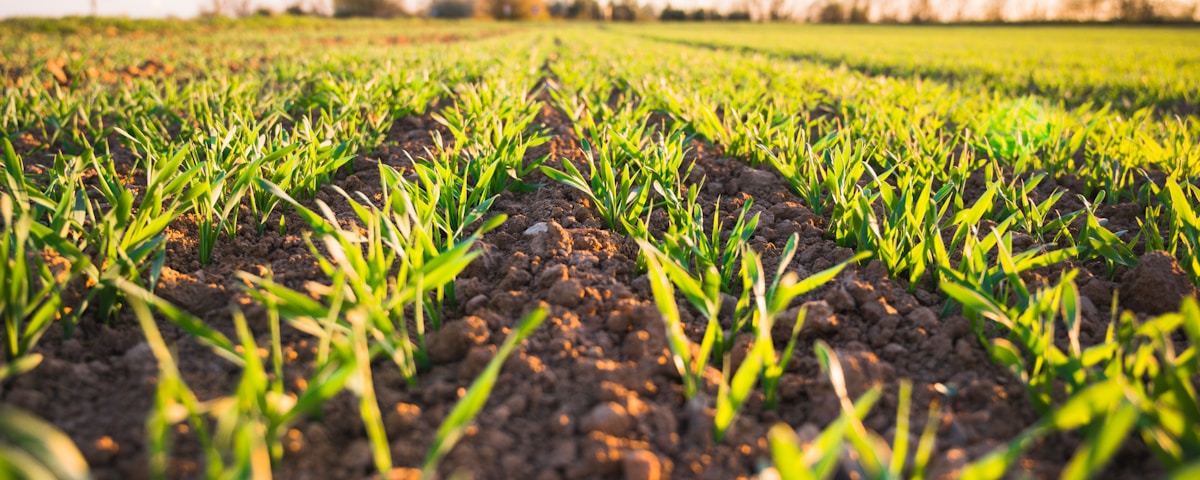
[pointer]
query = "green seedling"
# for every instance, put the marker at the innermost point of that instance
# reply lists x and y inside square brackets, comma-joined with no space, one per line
[32,294]
[391,268]
[491,126]
[451,193]
[778,297]
[32,448]
[663,273]
[873,457]
[617,193]
[54,199]
[128,239]
[688,244]
[472,402]
[245,437]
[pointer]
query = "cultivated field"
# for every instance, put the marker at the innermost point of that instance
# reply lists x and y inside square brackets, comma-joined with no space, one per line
[320,249]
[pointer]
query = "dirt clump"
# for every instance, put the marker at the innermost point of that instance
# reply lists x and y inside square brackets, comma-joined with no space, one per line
[454,339]
[1157,285]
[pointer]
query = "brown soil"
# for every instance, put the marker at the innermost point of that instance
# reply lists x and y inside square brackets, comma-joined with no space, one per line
[593,393]
[1156,285]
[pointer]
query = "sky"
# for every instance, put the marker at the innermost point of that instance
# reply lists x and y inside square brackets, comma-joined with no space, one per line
[190,8]
[128,8]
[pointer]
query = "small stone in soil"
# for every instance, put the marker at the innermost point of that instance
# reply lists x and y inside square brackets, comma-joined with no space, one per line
[840,299]
[477,302]
[551,275]
[956,326]
[819,319]
[562,424]
[453,340]
[403,417]
[878,309]
[893,351]
[922,317]
[926,297]
[357,455]
[536,228]
[641,465]
[608,418]
[564,453]
[404,473]
[554,242]
[567,293]
[476,360]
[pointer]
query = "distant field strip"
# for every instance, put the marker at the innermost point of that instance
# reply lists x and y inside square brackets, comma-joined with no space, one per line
[1131,68]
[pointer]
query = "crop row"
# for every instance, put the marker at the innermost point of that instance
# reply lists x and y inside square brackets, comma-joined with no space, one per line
[892,167]
[212,148]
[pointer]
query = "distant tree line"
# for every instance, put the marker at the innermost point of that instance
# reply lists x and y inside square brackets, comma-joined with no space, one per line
[817,11]
[368,8]
[994,11]
[671,14]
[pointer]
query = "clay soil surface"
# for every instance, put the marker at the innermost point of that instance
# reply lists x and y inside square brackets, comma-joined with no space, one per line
[593,393]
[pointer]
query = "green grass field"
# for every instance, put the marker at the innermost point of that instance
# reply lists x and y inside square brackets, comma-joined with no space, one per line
[344,249]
